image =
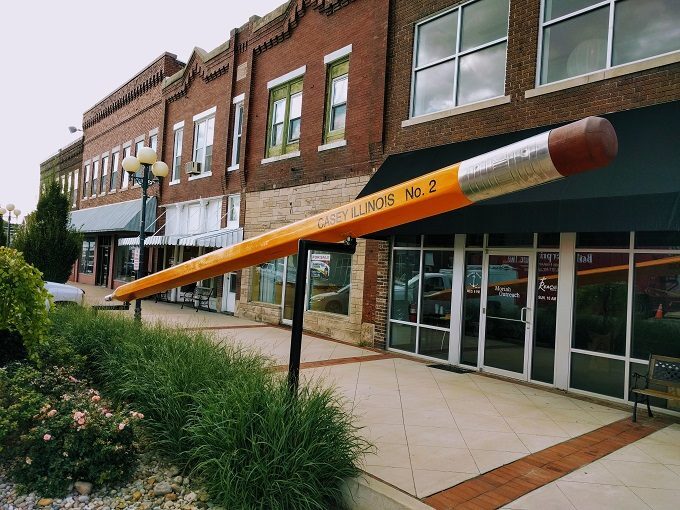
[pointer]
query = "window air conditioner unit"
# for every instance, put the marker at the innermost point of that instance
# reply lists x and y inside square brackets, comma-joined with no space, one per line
[192,168]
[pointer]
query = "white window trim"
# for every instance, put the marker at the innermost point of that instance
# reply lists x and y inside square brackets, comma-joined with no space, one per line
[239,99]
[606,74]
[458,110]
[127,144]
[178,125]
[456,56]
[200,176]
[332,145]
[233,167]
[239,104]
[337,54]
[172,183]
[203,115]
[296,73]
[153,132]
[140,138]
[288,155]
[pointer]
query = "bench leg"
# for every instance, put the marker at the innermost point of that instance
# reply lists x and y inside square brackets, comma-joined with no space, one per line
[649,409]
[635,403]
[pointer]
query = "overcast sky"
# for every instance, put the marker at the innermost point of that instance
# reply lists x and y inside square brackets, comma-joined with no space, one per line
[59,58]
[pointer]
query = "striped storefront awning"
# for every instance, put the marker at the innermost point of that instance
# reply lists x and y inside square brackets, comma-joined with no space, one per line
[214,239]
[150,241]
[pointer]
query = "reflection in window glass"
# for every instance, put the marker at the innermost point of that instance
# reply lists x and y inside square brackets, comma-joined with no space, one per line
[434,343]
[642,370]
[656,306]
[435,305]
[266,282]
[434,88]
[87,256]
[545,317]
[437,39]
[483,22]
[471,299]
[597,374]
[600,302]
[645,29]
[556,8]
[482,75]
[405,285]
[403,337]
[329,282]
[125,263]
[575,46]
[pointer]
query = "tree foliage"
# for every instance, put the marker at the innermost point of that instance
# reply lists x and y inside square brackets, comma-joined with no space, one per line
[46,238]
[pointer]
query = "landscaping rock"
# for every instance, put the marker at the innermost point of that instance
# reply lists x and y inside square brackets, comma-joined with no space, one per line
[162,488]
[83,488]
[45,502]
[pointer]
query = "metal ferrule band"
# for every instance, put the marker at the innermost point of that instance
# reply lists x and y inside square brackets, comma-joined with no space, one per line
[511,168]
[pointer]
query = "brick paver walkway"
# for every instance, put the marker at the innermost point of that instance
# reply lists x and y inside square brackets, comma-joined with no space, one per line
[505,484]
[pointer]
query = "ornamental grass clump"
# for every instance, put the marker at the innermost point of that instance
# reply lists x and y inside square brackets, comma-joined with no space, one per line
[222,413]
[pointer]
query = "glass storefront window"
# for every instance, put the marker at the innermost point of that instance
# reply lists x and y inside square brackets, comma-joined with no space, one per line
[603,240]
[329,282]
[474,240]
[266,282]
[600,302]
[597,374]
[656,305]
[471,300]
[550,240]
[87,256]
[125,263]
[658,240]
[545,317]
[435,302]
[405,280]
[642,369]
[511,240]
[407,241]
[438,241]
[434,343]
[403,337]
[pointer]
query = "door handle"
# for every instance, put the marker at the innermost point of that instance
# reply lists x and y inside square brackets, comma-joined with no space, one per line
[523,315]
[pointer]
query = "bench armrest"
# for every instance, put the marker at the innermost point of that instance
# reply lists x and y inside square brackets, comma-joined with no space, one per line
[636,377]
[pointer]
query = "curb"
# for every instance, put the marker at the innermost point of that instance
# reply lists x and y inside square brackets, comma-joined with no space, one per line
[367,493]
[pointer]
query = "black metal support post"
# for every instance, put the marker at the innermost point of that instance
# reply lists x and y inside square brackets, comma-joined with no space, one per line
[141,271]
[9,224]
[304,247]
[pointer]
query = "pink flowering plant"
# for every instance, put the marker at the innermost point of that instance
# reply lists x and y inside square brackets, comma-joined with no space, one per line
[75,435]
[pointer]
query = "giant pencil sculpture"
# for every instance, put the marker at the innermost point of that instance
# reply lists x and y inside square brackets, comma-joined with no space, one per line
[584,145]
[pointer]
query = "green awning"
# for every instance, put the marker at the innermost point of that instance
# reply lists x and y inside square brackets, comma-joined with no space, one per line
[639,191]
[120,217]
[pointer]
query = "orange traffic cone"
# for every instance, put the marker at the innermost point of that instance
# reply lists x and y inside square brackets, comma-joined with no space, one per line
[659,312]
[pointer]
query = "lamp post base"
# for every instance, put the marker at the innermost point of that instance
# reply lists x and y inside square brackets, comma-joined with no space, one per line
[138,310]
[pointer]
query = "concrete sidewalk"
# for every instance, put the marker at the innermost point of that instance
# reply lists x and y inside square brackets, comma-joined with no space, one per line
[441,436]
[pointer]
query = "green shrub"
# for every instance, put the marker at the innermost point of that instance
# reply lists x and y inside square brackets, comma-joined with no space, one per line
[22,305]
[222,412]
[74,435]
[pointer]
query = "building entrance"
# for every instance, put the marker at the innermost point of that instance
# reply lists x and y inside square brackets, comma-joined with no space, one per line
[508,286]
[102,273]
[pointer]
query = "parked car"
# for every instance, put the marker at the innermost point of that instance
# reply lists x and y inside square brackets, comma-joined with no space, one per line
[333,302]
[65,294]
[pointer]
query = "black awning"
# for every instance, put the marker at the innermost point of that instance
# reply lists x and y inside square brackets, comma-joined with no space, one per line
[639,191]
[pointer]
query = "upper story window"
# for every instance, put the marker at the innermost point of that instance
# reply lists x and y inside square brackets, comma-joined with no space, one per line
[177,152]
[115,162]
[285,118]
[153,141]
[86,180]
[583,36]
[459,56]
[105,174]
[126,176]
[138,146]
[238,131]
[204,133]
[233,210]
[74,179]
[95,178]
[336,106]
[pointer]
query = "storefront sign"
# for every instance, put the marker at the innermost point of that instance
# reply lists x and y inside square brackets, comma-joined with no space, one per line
[135,258]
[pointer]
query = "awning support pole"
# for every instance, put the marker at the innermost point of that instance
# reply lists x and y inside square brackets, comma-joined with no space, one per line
[304,247]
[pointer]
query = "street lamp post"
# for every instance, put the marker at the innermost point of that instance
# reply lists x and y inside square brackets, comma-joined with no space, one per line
[9,208]
[147,159]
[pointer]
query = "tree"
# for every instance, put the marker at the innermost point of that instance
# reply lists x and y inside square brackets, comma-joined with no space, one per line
[46,238]
[3,233]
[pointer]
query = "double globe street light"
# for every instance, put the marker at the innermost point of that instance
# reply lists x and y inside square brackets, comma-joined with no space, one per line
[9,208]
[147,159]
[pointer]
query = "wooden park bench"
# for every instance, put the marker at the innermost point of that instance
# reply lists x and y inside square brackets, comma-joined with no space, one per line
[662,371]
[198,297]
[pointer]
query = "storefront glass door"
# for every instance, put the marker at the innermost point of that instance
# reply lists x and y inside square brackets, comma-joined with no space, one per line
[509,287]
[290,274]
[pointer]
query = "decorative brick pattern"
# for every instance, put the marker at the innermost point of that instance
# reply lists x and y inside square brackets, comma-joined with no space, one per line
[337,361]
[505,484]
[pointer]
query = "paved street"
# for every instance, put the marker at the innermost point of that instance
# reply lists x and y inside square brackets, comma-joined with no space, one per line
[434,429]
